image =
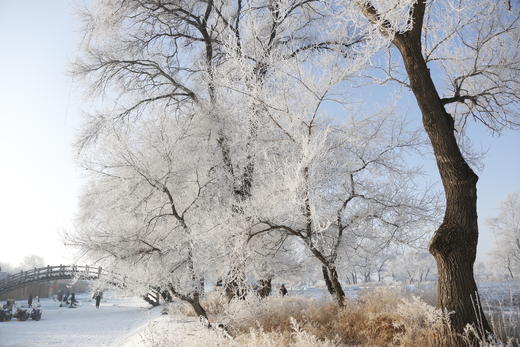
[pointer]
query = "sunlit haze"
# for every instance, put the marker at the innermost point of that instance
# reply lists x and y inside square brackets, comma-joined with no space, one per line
[39,180]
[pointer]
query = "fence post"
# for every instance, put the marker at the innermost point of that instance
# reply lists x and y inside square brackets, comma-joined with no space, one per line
[99,273]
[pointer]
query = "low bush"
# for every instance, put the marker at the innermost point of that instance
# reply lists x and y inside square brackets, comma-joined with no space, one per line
[378,318]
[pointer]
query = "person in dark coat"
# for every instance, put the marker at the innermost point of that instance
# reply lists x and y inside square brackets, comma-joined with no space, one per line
[73,300]
[283,290]
[65,300]
[98,299]
[30,300]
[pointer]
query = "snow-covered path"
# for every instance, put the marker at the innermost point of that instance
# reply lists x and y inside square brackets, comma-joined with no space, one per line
[85,325]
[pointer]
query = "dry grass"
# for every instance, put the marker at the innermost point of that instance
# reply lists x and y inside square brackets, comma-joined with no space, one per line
[379,318]
[214,303]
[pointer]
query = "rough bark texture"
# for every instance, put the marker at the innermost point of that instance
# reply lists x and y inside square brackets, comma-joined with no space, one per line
[331,278]
[454,244]
[326,278]
[199,310]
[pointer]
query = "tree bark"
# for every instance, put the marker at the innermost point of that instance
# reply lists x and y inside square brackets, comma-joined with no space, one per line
[328,283]
[199,310]
[331,273]
[454,244]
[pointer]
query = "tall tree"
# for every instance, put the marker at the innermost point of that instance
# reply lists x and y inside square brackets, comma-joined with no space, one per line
[163,55]
[337,187]
[476,43]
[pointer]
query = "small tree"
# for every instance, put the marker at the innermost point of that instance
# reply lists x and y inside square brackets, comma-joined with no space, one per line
[506,228]
[144,211]
[32,261]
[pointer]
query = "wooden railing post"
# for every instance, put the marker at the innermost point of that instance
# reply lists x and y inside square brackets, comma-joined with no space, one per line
[24,277]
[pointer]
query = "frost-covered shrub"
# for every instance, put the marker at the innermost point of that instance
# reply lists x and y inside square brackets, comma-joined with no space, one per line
[214,303]
[378,318]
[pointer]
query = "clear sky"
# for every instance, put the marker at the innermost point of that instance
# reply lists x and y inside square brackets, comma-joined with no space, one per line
[40,113]
[39,181]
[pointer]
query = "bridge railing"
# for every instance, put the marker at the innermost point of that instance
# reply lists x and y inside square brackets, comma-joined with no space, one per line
[49,273]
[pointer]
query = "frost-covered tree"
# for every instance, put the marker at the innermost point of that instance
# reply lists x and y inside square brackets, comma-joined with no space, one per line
[32,261]
[413,266]
[261,75]
[156,55]
[146,211]
[338,187]
[506,227]
[166,55]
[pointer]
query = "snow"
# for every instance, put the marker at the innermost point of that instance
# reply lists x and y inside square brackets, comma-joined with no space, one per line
[129,322]
[115,320]
[166,331]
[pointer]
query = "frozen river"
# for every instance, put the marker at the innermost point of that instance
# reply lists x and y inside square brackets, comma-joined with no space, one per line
[85,325]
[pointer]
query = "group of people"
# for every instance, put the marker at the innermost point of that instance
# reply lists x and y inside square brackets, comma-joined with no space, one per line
[66,299]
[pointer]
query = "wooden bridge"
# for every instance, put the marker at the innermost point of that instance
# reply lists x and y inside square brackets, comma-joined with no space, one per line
[51,273]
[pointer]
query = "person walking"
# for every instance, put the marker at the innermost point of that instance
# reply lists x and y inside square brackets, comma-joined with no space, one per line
[30,300]
[98,299]
[283,290]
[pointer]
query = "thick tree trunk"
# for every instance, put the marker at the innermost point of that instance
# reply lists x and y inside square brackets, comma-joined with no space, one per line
[199,310]
[326,278]
[454,244]
[330,273]
[338,290]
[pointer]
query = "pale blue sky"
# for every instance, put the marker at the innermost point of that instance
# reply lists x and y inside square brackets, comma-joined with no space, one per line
[40,112]
[38,180]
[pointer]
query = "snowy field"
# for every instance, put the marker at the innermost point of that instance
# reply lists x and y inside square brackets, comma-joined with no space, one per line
[85,325]
[130,322]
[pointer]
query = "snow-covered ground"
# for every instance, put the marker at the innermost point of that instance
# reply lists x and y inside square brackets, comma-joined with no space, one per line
[112,323]
[130,322]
